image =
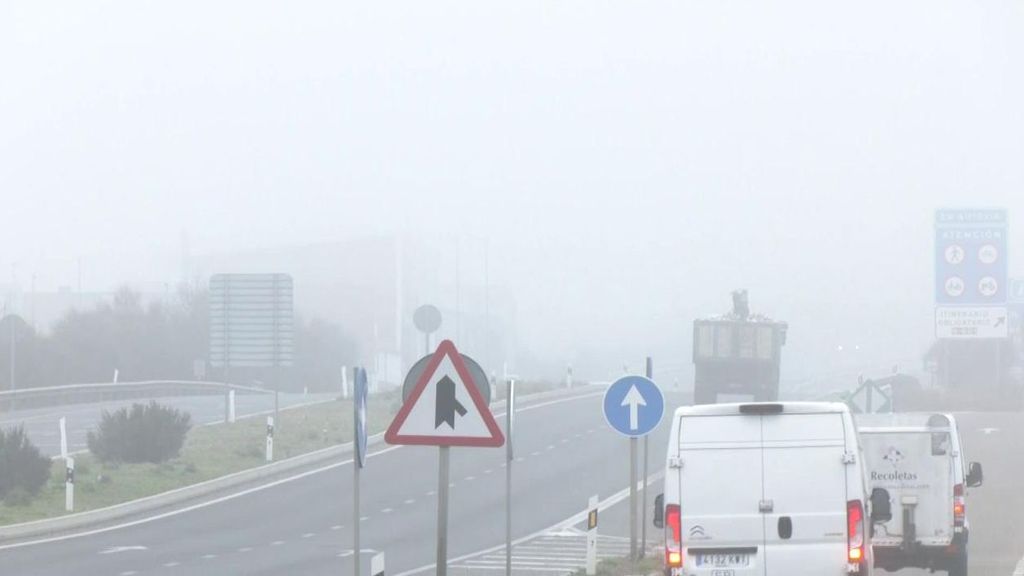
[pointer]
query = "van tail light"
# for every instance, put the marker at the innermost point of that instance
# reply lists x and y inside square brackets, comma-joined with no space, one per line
[673,536]
[855,532]
[959,506]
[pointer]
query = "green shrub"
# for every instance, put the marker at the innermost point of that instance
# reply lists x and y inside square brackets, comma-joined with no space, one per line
[142,433]
[23,470]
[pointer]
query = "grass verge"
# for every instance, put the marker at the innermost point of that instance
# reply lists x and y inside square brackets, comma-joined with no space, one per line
[209,452]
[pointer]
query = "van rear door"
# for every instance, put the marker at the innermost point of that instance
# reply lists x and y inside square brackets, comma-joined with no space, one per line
[916,466]
[722,529]
[805,486]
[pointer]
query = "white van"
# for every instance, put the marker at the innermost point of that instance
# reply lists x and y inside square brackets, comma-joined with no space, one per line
[919,460]
[766,489]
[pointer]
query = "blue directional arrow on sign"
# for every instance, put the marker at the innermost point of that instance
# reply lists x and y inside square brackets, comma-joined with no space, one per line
[633,406]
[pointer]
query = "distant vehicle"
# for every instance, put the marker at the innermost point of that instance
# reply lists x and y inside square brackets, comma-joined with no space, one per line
[737,353]
[766,489]
[919,460]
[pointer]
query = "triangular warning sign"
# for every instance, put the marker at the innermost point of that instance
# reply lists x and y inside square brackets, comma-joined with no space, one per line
[444,408]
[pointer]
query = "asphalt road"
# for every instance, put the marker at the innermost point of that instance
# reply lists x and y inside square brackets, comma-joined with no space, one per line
[565,454]
[43,428]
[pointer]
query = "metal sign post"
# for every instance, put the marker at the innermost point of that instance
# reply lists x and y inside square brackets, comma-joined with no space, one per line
[643,476]
[510,404]
[632,499]
[443,471]
[359,420]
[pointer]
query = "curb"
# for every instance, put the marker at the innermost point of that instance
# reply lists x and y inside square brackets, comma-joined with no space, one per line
[91,518]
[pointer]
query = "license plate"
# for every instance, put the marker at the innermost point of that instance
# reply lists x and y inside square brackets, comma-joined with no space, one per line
[723,560]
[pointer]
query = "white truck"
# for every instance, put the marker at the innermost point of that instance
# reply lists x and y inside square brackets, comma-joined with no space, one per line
[767,489]
[919,460]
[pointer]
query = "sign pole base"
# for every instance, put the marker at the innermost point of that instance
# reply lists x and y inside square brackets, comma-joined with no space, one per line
[443,472]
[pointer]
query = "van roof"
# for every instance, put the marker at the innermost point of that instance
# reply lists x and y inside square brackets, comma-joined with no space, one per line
[787,408]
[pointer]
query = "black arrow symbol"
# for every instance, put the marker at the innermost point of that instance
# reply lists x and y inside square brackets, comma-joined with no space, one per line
[999,322]
[446,405]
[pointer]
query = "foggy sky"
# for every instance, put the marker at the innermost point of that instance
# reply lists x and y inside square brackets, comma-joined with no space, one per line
[628,163]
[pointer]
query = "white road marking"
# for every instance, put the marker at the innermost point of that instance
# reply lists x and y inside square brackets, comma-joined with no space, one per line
[470,478]
[364,518]
[171,564]
[431,493]
[551,447]
[260,488]
[208,556]
[567,523]
[336,527]
[245,549]
[277,542]
[989,431]
[309,534]
[119,549]
[409,501]
[534,453]
[129,573]
[489,470]
[386,510]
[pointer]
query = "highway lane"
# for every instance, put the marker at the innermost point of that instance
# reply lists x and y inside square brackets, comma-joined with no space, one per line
[42,423]
[565,454]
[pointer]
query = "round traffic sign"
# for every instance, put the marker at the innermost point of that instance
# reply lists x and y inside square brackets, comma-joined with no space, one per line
[427,318]
[954,254]
[988,286]
[633,406]
[483,385]
[954,286]
[988,254]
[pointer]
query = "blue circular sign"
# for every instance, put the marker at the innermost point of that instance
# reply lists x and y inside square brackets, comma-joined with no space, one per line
[634,406]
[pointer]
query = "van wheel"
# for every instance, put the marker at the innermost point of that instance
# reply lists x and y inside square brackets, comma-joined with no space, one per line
[958,566]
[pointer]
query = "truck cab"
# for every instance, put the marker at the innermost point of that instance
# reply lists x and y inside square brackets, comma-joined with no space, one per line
[737,353]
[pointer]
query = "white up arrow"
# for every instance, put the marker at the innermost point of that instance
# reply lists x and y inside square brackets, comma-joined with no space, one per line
[634,399]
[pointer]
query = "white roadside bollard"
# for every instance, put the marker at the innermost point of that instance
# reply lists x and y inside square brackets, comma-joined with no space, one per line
[69,485]
[270,438]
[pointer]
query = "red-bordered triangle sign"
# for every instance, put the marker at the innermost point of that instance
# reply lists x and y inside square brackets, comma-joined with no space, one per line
[445,408]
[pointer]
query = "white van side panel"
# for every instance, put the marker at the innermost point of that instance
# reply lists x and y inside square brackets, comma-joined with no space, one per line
[919,475]
[805,479]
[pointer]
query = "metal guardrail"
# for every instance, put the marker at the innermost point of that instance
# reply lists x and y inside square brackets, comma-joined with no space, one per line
[106,391]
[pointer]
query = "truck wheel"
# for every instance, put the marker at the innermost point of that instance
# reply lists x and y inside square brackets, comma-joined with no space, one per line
[958,565]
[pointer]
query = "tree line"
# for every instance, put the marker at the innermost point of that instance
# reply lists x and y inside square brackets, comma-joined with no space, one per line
[155,341]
